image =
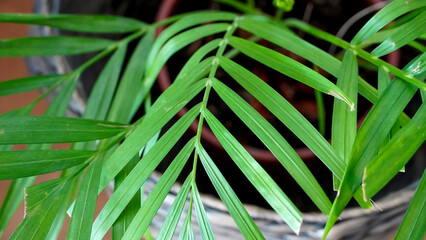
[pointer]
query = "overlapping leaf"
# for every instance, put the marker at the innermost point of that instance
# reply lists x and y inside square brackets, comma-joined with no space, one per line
[50,46]
[153,202]
[18,164]
[276,144]
[79,23]
[42,129]
[236,209]
[256,174]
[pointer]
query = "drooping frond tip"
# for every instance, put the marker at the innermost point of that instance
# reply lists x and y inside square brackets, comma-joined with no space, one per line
[346,100]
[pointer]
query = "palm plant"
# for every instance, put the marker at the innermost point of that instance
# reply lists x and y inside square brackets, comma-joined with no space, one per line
[107,146]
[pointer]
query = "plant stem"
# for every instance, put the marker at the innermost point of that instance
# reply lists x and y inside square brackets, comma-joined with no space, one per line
[215,65]
[360,52]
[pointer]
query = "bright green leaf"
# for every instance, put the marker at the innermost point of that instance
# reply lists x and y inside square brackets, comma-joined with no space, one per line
[385,16]
[25,163]
[42,129]
[413,225]
[411,31]
[79,23]
[240,215]
[30,83]
[276,144]
[50,46]
[256,174]
[289,67]
[154,200]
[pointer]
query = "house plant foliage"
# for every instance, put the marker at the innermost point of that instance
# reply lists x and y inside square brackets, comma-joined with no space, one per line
[107,145]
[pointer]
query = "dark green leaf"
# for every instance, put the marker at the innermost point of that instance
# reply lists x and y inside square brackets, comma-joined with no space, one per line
[139,174]
[82,216]
[385,16]
[289,67]
[190,20]
[288,115]
[166,106]
[42,129]
[25,163]
[50,46]
[203,221]
[256,174]
[172,219]
[130,81]
[41,214]
[30,83]
[79,23]
[344,121]
[413,225]
[13,199]
[399,149]
[410,32]
[240,215]
[172,46]
[153,202]
[276,144]
[372,134]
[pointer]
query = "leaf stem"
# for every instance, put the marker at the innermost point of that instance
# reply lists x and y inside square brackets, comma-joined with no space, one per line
[359,51]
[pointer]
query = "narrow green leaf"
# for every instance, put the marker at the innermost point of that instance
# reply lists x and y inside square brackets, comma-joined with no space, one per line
[12,200]
[30,83]
[171,47]
[288,115]
[373,132]
[287,40]
[50,46]
[411,31]
[197,57]
[37,222]
[240,215]
[42,129]
[82,216]
[190,20]
[399,150]
[59,105]
[256,174]
[166,106]
[130,81]
[25,163]
[344,121]
[413,225]
[276,144]
[123,221]
[100,98]
[78,23]
[168,228]
[289,67]
[187,232]
[153,202]
[321,112]
[139,174]
[385,16]
[203,221]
